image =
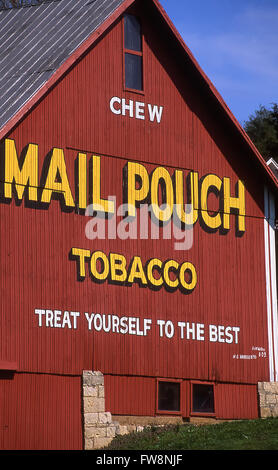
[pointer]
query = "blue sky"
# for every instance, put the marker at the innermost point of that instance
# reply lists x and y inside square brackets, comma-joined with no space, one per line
[236,44]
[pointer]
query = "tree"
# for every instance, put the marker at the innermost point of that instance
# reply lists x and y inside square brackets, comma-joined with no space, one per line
[262,128]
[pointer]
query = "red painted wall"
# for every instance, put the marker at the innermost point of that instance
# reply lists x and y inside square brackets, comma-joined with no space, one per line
[124,397]
[40,412]
[35,243]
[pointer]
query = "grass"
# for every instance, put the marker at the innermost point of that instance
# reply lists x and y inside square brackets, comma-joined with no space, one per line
[260,434]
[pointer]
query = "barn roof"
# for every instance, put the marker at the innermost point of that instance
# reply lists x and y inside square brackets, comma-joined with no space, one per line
[38,44]
[36,41]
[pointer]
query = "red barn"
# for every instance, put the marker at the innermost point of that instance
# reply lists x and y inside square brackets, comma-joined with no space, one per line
[138,253]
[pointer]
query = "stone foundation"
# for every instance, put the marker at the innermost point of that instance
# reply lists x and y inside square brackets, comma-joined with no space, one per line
[268,399]
[99,429]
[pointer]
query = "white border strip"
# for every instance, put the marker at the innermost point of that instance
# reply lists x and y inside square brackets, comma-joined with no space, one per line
[268,286]
[272,247]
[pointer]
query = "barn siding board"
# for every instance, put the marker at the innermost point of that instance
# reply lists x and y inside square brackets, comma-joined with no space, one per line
[124,395]
[74,116]
[50,417]
[234,401]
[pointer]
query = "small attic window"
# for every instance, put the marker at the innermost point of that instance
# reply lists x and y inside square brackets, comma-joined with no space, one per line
[133,53]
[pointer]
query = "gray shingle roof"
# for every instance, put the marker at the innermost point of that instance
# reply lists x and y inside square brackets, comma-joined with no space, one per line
[36,40]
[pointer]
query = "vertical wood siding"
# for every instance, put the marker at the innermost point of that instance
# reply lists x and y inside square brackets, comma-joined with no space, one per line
[124,397]
[36,271]
[234,401]
[40,412]
[130,395]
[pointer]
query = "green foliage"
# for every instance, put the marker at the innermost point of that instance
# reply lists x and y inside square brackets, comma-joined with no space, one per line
[262,128]
[260,434]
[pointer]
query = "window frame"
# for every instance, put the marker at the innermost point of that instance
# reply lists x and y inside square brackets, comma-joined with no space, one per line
[201,413]
[132,52]
[168,412]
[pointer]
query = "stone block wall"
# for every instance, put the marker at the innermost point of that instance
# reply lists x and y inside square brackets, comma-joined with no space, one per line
[99,429]
[268,399]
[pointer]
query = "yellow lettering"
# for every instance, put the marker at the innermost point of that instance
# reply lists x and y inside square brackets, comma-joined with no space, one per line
[134,194]
[114,268]
[117,267]
[189,286]
[82,180]
[100,276]
[162,214]
[237,202]
[57,179]
[80,254]
[107,206]
[27,175]
[187,217]
[150,266]
[137,271]
[171,264]
[210,181]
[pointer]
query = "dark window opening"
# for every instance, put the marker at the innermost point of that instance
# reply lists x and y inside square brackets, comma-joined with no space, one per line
[133,38]
[203,398]
[168,396]
[133,71]
[133,53]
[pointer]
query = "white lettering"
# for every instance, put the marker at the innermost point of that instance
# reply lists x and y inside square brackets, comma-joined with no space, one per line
[139,110]
[190,330]
[57,318]
[135,109]
[155,112]
[66,320]
[139,326]
[161,323]
[75,315]
[200,332]
[49,318]
[89,319]
[169,329]
[221,334]
[147,325]
[114,100]
[127,107]
[40,313]
[124,325]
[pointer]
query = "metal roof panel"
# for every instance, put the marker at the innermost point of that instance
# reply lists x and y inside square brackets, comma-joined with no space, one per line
[37,40]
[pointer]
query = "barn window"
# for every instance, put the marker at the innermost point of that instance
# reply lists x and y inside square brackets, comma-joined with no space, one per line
[203,398]
[133,53]
[168,396]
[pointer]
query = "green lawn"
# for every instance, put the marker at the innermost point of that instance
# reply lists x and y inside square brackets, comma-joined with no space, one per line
[261,434]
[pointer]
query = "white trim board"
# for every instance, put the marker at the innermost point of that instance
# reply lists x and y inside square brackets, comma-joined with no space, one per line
[271,283]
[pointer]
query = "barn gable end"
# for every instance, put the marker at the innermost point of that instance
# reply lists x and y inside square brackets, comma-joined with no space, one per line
[170,304]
